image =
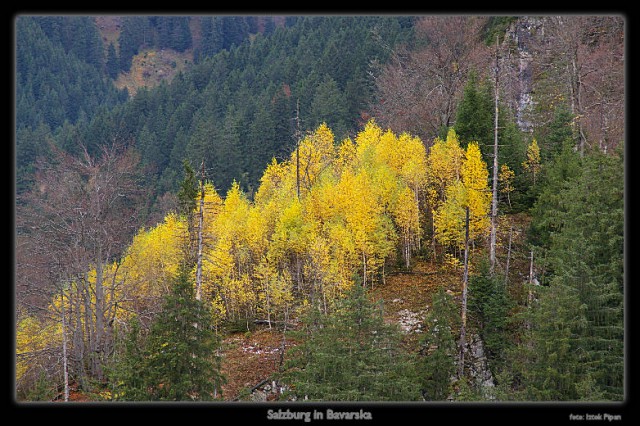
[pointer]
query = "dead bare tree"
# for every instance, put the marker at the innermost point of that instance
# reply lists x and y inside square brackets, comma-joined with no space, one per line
[587,54]
[77,220]
[465,282]
[494,191]
[419,90]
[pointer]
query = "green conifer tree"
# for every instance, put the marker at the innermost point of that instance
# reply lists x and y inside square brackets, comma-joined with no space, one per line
[474,119]
[178,360]
[182,363]
[573,345]
[352,355]
[439,347]
[587,255]
[112,64]
[489,303]
[127,384]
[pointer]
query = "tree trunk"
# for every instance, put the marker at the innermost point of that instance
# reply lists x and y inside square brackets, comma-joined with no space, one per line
[297,136]
[530,298]
[200,225]
[65,361]
[78,337]
[364,270]
[100,319]
[494,192]
[506,272]
[407,249]
[465,279]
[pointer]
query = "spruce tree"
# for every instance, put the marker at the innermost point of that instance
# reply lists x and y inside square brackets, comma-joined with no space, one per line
[587,255]
[352,355]
[112,64]
[177,361]
[474,119]
[182,363]
[489,303]
[127,384]
[573,348]
[550,363]
[439,348]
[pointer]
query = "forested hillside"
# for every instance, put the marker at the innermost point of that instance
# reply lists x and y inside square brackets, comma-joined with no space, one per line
[340,208]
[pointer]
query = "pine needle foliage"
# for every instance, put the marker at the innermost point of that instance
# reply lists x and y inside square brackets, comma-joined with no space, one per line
[178,360]
[351,354]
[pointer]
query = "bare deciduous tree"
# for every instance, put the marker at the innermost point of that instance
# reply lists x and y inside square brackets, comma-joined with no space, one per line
[587,54]
[419,90]
[77,220]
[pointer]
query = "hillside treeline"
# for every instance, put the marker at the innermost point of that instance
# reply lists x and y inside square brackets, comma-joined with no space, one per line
[274,176]
[236,108]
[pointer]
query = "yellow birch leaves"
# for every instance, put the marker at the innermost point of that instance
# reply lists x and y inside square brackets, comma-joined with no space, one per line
[458,179]
[532,163]
[359,206]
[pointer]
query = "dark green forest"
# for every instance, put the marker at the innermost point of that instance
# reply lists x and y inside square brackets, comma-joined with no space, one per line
[543,97]
[235,108]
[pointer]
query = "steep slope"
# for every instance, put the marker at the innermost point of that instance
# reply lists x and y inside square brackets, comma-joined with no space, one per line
[252,360]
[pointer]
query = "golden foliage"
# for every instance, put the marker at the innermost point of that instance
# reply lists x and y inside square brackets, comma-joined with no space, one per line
[532,163]
[360,200]
[470,190]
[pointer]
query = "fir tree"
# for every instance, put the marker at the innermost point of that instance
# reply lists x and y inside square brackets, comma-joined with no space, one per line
[587,256]
[439,347]
[112,64]
[127,384]
[573,349]
[182,363]
[188,190]
[552,366]
[489,302]
[177,361]
[352,355]
[474,120]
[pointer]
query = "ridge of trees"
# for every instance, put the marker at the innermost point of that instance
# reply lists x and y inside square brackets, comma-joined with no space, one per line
[198,116]
[332,213]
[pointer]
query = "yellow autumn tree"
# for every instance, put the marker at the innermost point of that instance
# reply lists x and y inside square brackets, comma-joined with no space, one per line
[330,254]
[276,291]
[475,178]
[412,173]
[449,218]
[149,262]
[505,179]
[290,240]
[532,164]
[470,190]
[317,153]
[347,156]
[412,166]
[227,264]
[366,140]
[406,216]
[38,340]
[278,182]
[394,163]
[371,229]
[443,167]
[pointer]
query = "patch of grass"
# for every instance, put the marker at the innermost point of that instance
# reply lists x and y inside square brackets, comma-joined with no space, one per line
[150,67]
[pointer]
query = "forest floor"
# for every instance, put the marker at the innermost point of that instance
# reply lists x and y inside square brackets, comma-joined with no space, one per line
[252,358]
